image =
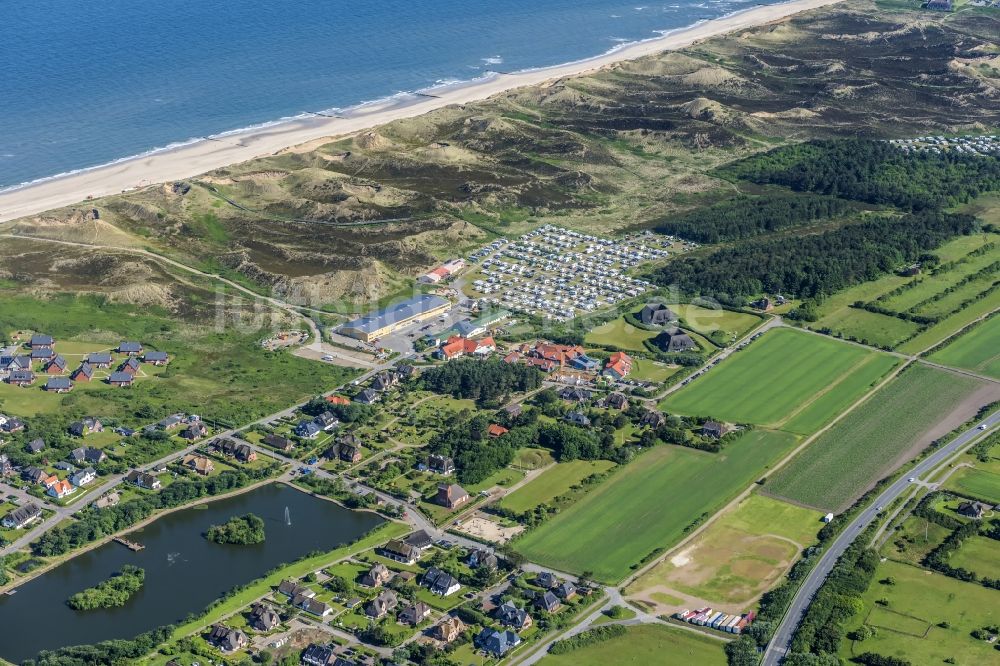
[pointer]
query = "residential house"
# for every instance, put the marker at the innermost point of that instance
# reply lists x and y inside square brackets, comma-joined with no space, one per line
[194,431]
[83,477]
[407,371]
[616,401]
[326,420]
[400,551]
[156,358]
[21,378]
[233,449]
[281,443]
[87,454]
[142,480]
[367,397]
[565,591]
[557,355]
[130,348]
[578,418]
[972,509]
[420,540]
[546,580]
[384,381]
[109,500]
[121,379]
[574,394]
[5,465]
[226,639]
[675,340]
[171,422]
[414,614]
[41,341]
[307,429]
[33,475]
[382,605]
[457,346]
[763,303]
[100,360]
[49,480]
[585,363]
[199,464]
[21,517]
[497,643]
[263,617]
[56,365]
[347,448]
[317,655]
[657,314]
[131,366]
[65,466]
[714,429]
[440,464]
[43,354]
[440,582]
[496,430]
[510,615]
[11,424]
[291,589]
[451,495]
[36,445]
[15,363]
[481,558]
[448,630]
[548,602]
[653,418]
[618,366]
[61,488]
[84,373]
[513,410]
[58,385]
[338,400]
[86,426]
[311,605]
[377,576]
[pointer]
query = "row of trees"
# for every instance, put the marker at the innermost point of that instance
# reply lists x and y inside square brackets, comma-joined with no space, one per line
[817,264]
[875,172]
[744,216]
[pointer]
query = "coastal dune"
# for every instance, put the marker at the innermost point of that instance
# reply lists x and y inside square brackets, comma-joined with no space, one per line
[198,157]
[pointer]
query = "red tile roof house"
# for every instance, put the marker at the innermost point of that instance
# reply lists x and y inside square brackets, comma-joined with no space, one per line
[458,346]
[619,365]
[495,430]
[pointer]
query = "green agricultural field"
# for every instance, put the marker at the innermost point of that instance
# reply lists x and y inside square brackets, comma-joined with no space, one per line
[623,520]
[619,333]
[787,379]
[708,320]
[870,328]
[644,645]
[976,482]
[740,555]
[917,602]
[552,483]
[942,330]
[978,349]
[979,554]
[872,439]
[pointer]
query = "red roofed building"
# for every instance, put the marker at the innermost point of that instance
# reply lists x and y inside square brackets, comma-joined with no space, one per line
[338,400]
[458,346]
[619,365]
[495,430]
[558,354]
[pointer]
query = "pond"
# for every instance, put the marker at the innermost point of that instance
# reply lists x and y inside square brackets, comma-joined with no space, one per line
[184,571]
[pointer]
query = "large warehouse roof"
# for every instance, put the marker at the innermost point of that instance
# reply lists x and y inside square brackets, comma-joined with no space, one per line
[396,313]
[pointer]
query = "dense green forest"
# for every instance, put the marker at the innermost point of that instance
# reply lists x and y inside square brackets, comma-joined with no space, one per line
[743,216]
[110,593]
[875,172]
[482,381]
[239,530]
[817,264]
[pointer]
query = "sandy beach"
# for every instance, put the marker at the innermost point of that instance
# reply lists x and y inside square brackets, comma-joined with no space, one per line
[195,158]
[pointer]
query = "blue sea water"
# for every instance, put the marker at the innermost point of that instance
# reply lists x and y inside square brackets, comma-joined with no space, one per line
[86,83]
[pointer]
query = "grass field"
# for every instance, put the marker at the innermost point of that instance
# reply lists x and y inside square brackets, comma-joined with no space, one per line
[921,598]
[623,520]
[552,483]
[976,482]
[646,645]
[644,369]
[941,331]
[787,379]
[739,556]
[872,439]
[978,349]
[914,540]
[619,333]
[979,554]
[708,320]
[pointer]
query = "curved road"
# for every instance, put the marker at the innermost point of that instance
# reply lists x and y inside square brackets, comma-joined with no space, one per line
[780,644]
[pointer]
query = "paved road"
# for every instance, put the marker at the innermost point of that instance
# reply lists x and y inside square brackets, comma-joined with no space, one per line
[781,643]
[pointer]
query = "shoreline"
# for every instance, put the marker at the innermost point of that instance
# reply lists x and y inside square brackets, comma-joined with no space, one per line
[196,156]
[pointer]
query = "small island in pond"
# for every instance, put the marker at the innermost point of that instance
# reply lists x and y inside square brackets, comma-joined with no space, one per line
[242,530]
[110,593]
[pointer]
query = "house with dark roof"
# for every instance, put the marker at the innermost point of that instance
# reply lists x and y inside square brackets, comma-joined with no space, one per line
[547,602]
[233,449]
[41,341]
[279,442]
[481,558]
[194,431]
[574,394]
[653,418]
[83,477]
[5,465]
[87,455]
[317,655]
[367,397]
[440,582]
[311,605]
[578,418]
[33,474]
[58,385]
[382,605]
[130,348]
[972,509]
[121,379]
[675,340]
[420,540]
[263,617]
[84,373]
[565,591]
[513,410]
[384,381]
[226,639]
[156,358]
[10,424]
[497,643]
[170,422]
[85,426]
[308,429]
[440,464]
[291,589]
[21,378]
[131,366]
[656,314]
[414,614]
[142,480]
[713,429]
[56,365]
[377,576]
[546,580]
[36,445]
[42,354]
[615,401]
[100,360]
[400,551]
[21,517]
[510,615]
[451,495]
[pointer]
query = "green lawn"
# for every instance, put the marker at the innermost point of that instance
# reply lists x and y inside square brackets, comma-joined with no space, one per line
[862,447]
[978,349]
[920,599]
[619,333]
[979,554]
[707,320]
[976,482]
[644,369]
[552,483]
[649,505]
[787,379]
[646,645]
